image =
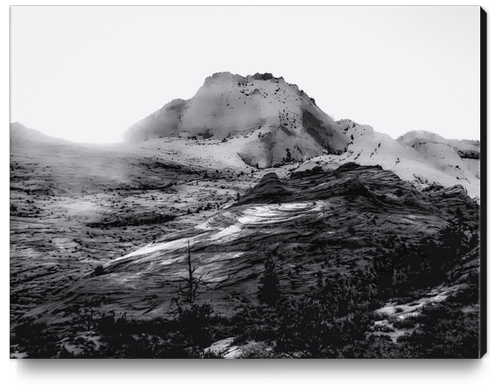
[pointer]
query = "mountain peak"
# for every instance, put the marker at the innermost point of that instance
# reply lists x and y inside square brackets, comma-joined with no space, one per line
[228,76]
[266,119]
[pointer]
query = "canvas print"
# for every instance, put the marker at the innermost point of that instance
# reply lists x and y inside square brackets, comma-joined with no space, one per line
[246,182]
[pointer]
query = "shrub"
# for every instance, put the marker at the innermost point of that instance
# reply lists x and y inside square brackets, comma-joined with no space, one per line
[445,332]
[99,270]
[405,323]
[35,338]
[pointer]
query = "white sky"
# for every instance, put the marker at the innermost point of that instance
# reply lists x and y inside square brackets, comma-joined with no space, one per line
[87,73]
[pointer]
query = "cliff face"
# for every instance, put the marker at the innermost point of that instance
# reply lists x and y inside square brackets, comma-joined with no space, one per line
[259,115]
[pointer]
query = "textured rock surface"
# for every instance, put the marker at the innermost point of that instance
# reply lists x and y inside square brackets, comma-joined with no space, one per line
[419,156]
[329,221]
[74,207]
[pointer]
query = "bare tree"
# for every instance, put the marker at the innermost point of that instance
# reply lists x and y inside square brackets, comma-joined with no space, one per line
[189,286]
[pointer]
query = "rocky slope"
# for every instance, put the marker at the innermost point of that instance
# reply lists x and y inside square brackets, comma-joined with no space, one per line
[261,115]
[421,157]
[73,206]
[316,222]
[107,228]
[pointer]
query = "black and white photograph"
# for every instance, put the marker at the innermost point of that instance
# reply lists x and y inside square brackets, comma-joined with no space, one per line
[247,182]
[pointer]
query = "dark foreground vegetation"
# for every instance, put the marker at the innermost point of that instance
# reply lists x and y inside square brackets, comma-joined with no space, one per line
[335,318]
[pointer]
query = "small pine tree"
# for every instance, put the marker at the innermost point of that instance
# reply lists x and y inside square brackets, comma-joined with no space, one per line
[456,235]
[269,291]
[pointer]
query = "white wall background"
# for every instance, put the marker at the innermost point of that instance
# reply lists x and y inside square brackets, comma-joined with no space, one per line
[356,96]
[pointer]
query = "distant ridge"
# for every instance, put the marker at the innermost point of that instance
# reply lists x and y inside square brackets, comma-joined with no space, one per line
[19,132]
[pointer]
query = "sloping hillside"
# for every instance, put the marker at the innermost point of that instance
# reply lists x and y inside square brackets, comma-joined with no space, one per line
[100,236]
[74,206]
[420,157]
[329,223]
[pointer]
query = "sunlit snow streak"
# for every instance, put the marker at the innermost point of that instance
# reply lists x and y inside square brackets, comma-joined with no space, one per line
[277,213]
[256,215]
[175,244]
[182,243]
[225,232]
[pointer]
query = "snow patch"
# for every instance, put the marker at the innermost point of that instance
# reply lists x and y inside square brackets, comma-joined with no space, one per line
[232,229]
[277,212]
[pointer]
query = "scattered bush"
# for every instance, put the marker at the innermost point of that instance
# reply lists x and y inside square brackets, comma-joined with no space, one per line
[445,332]
[404,323]
[99,270]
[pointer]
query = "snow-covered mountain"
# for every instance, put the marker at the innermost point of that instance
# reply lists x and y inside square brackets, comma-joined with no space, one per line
[418,156]
[262,115]
[267,122]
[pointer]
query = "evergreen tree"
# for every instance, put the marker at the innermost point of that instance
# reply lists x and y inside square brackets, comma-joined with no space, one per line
[269,291]
[457,237]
